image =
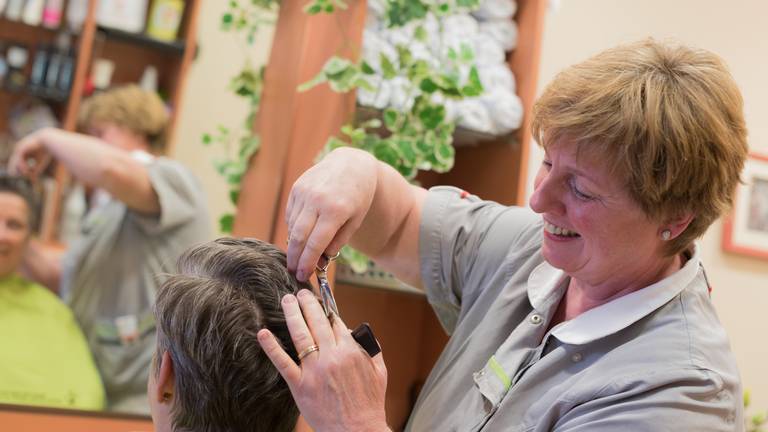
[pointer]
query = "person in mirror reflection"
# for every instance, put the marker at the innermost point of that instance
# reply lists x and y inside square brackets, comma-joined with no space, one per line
[591,310]
[144,210]
[45,359]
[210,372]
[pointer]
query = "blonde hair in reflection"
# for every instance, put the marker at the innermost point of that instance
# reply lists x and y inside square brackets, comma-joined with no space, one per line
[131,107]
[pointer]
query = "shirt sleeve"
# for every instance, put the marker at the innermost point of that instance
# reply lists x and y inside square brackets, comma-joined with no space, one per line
[463,239]
[700,401]
[179,193]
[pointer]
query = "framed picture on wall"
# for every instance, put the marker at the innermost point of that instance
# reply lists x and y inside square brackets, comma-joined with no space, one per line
[746,229]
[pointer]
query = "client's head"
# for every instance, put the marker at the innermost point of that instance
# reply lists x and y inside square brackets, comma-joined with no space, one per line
[210,373]
[17,221]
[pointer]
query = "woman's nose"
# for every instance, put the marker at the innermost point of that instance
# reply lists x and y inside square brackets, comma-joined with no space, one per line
[545,197]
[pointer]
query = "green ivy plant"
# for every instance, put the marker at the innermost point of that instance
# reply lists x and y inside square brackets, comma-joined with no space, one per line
[243,18]
[419,137]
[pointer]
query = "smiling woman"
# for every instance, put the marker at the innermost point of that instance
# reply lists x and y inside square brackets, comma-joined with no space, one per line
[590,312]
[50,364]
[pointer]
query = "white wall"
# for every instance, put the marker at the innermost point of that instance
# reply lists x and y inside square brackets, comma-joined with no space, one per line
[737,31]
[208,102]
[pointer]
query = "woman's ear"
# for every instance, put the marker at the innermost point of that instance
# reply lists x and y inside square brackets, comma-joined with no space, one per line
[677,225]
[166,382]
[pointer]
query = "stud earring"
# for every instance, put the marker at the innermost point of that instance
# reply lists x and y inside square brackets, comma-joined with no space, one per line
[167,397]
[666,235]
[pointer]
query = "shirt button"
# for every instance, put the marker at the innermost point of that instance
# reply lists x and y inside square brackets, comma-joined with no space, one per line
[535,319]
[576,357]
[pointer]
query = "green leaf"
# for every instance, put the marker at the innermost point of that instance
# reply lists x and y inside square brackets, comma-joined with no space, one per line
[248,145]
[385,152]
[444,154]
[234,195]
[428,86]
[391,117]
[366,68]
[475,86]
[387,68]
[420,34]
[317,80]
[207,139]
[432,116]
[226,223]
[313,9]
[226,19]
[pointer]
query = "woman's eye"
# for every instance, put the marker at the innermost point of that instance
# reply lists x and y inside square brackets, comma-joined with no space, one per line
[547,164]
[579,194]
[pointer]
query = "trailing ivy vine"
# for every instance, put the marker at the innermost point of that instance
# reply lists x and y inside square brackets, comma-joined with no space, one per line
[242,18]
[418,137]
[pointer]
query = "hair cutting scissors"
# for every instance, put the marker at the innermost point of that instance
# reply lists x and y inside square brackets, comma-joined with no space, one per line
[363,334]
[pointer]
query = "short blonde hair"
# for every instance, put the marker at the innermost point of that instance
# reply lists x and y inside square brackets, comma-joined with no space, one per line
[666,118]
[131,107]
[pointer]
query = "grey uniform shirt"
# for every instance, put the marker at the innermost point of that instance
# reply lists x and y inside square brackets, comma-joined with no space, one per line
[111,274]
[653,360]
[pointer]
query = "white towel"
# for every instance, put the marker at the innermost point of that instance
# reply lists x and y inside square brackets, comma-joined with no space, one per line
[460,24]
[473,114]
[490,9]
[503,31]
[506,110]
[487,50]
[497,77]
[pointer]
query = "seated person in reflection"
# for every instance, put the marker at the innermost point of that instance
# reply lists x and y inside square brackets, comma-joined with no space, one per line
[44,359]
[144,210]
[210,372]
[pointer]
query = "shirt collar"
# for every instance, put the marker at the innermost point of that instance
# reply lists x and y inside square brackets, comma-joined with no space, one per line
[545,286]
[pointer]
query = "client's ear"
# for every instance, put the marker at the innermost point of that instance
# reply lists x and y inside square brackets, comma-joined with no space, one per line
[165,379]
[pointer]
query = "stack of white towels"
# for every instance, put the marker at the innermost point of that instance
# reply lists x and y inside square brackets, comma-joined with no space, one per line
[490,31]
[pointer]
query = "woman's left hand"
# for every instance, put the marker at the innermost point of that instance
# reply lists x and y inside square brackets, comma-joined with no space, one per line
[337,387]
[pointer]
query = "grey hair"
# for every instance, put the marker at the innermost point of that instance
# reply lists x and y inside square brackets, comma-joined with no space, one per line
[21,187]
[207,317]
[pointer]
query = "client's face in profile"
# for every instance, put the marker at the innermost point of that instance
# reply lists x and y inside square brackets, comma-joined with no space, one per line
[14,232]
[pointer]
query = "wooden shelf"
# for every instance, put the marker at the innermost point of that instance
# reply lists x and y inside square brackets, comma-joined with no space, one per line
[176,47]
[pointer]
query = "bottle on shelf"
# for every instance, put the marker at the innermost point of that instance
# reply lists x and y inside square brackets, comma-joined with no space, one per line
[33,12]
[17,57]
[14,9]
[39,69]
[52,13]
[164,19]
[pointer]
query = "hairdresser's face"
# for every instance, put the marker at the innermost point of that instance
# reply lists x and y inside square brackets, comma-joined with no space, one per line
[118,136]
[14,232]
[593,229]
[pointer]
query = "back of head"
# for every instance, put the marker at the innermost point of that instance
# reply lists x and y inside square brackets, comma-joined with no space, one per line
[208,316]
[130,107]
[667,118]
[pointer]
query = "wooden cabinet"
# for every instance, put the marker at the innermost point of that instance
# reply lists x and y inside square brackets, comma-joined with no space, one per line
[295,126]
[35,419]
[131,54]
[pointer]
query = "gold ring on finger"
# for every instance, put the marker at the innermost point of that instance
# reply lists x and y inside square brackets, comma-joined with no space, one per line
[308,351]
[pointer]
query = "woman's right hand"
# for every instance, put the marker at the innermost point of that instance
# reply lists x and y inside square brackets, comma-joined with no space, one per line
[327,204]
